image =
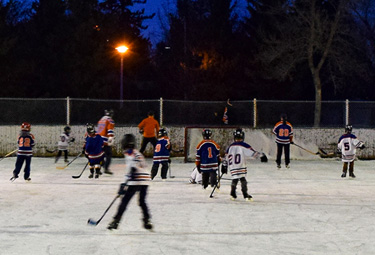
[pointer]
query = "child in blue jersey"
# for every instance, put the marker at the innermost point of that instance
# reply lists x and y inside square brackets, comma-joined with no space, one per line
[93,149]
[207,159]
[161,155]
[25,152]
[235,160]
[284,137]
[136,180]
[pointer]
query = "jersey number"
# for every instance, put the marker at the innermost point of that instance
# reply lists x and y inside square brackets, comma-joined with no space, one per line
[283,132]
[346,146]
[157,147]
[209,152]
[237,159]
[24,142]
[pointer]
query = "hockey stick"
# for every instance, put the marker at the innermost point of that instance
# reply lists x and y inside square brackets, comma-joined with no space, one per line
[96,222]
[10,153]
[170,171]
[77,176]
[63,167]
[211,196]
[178,151]
[49,151]
[320,152]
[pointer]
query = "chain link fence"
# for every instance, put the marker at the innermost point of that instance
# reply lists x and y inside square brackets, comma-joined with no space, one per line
[252,113]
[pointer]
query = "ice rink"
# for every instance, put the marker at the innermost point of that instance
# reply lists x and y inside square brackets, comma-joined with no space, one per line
[307,209]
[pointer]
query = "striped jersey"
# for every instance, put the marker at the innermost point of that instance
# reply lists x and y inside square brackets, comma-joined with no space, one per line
[208,153]
[94,146]
[26,142]
[162,147]
[236,157]
[348,143]
[136,168]
[106,125]
[283,132]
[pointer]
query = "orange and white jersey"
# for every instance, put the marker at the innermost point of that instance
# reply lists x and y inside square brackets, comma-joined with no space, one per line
[106,125]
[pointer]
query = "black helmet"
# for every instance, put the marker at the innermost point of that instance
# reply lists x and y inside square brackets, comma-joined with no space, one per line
[67,129]
[162,132]
[348,128]
[90,128]
[206,134]
[109,113]
[239,134]
[128,141]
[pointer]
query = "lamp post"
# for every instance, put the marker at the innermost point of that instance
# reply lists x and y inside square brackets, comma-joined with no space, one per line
[122,49]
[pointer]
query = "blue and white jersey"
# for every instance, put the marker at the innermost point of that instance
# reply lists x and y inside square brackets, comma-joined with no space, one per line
[236,157]
[94,146]
[25,144]
[348,143]
[283,132]
[208,153]
[161,152]
[136,168]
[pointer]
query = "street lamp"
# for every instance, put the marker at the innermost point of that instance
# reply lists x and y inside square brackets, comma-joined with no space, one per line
[122,49]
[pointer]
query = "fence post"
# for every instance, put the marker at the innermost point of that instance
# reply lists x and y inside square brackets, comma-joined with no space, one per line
[161,112]
[67,111]
[255,113]
[347,112]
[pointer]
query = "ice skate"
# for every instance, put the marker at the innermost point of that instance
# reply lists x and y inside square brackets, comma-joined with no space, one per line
[248,197]
[107,172]
[113,225]
[343,175]
[13,178]
[28,179]
[287,166]
[233,196]
[96,176]
[91,175]
[192,181]
[66,161]
[278,166]
[147,225]
[352,175]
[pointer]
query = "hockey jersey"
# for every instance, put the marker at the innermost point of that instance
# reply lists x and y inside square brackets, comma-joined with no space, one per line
[136,168]
[348,144]
[162,147]
[150,127]
[64,141]
[26,142]
[106,126]
[208,153]
[94,146]
[236,157]
[283,132]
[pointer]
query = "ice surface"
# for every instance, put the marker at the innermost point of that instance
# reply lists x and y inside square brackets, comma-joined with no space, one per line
[307,209]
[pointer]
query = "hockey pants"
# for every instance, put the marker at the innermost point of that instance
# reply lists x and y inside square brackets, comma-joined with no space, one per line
[164,169]
[209,176]
[286,153]
[108,156]
[351,167]
[147,140]
[243,187]
[19,163]
[130,192]
[59,153]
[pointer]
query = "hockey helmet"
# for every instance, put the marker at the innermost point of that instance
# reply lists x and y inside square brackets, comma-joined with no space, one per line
[238,134]
[67,129]
[25,126]
[207,133]
[90,128]
[109,113]
[348,128]
[162,132]
[128,141]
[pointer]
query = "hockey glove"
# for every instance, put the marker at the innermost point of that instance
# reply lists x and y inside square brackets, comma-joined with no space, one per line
[141,131]
[122,189]
[111,140]
[264,158]
[199,169]
[291,142]
[224,167]
[169,161]
[72,140]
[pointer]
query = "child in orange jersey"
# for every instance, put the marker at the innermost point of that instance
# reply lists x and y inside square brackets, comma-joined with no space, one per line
[149,127]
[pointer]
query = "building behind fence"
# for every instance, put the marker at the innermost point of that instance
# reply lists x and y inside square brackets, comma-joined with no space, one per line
[250,113]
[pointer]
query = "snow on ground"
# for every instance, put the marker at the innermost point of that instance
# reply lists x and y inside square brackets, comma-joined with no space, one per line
[307,209]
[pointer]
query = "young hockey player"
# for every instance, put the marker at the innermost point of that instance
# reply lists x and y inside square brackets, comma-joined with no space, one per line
[284,137]
[208,159]
[347,145]
[235,160]
[106,126]
[93,149]
[63,144]
[161,155]
[195,177]
[136,180]
[25,152]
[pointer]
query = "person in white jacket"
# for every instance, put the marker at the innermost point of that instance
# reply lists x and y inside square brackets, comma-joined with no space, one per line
[136,180]
[347,146]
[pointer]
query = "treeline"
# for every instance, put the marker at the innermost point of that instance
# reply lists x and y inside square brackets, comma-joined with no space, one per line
[282,49]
